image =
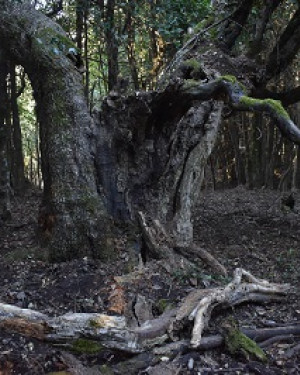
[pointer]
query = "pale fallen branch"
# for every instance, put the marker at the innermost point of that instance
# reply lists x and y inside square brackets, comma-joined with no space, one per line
[199,305]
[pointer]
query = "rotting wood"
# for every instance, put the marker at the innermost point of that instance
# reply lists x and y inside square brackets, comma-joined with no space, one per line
[113,331]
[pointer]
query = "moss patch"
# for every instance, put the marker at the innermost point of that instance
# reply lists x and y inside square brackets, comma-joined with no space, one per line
[52,44]
[192,68]
[234,81]
[105,370]
[51,37]
[238,343]
[163,305]
[274,104]
[86,346]
[192,63]
[190,83]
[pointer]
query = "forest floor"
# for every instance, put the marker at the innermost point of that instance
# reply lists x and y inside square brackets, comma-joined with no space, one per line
[241,228]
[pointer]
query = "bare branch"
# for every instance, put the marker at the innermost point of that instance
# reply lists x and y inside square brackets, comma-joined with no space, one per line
[199,305]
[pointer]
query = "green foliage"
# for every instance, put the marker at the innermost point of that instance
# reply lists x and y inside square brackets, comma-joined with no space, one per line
[174,17]
[184,275]
[193,64]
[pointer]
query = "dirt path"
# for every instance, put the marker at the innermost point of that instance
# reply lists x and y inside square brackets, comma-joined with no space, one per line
[241,228]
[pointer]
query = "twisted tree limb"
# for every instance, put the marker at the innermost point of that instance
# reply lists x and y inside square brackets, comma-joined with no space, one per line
[230,89]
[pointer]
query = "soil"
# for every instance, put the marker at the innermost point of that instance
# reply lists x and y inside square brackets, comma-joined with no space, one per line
[241,228]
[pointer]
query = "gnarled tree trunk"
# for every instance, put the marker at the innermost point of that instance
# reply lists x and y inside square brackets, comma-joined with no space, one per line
[145,158]
[73,219]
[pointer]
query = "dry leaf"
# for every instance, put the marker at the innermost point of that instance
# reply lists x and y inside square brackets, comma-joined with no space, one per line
[117,299]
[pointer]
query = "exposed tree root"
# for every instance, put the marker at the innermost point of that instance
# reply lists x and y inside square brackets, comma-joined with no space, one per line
[193,252]
[162,246]
[113,331]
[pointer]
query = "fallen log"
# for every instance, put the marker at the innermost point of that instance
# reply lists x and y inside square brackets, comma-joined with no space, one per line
[113,331]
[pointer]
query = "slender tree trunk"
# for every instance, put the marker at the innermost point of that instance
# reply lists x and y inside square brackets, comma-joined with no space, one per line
[112,48]
[86,56]
[17,158]
[4,139]
[131,45]
[239,164]
[296,174]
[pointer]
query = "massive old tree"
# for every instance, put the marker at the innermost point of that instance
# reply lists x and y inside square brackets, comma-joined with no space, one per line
[139,161]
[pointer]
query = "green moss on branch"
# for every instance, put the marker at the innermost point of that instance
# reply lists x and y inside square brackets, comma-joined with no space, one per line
[238,343]
[274,104]
[234,81]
